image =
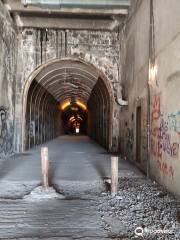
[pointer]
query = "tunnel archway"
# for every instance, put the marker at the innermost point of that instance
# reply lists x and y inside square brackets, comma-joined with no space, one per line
[67,96]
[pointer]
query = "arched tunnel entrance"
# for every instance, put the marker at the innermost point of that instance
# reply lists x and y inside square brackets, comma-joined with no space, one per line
[67,97]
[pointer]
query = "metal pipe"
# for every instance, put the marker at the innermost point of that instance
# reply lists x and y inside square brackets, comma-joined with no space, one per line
[151,55]
[111,4]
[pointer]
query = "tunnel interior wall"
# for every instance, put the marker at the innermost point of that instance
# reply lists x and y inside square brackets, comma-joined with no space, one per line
[99,114]
[43,116]
[164,92]
[8,60]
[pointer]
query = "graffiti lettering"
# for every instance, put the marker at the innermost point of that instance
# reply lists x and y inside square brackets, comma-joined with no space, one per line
[161,141]
[161,136]
[165,168]
[174,120]
[156,107]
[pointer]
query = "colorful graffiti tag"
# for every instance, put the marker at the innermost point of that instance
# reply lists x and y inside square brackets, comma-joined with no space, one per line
[165,168]
[174,120]
[161,137]
[156,108]
[161,141]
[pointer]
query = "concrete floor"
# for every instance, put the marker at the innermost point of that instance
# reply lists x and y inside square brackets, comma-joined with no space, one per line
[78,167]
[76,164]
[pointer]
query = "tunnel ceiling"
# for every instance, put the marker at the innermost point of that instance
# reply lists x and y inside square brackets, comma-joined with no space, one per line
[68,80]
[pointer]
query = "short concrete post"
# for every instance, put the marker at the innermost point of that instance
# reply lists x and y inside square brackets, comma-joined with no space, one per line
[114,175]
[45,167]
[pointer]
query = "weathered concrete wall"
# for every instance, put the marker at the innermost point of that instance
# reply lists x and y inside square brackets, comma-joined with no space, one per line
[38,46]
[8,48]
[98,48]
[165,104]
[134,76]
[165,161]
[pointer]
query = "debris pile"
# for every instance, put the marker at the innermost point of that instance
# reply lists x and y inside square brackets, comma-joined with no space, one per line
[140,203]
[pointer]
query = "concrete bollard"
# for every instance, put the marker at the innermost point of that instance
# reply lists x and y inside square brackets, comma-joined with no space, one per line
[114,175]
[45,167]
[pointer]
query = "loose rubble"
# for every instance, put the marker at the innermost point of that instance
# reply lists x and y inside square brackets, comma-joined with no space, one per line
[140,203]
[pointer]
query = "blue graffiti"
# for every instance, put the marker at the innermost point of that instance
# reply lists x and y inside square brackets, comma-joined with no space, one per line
[174,121]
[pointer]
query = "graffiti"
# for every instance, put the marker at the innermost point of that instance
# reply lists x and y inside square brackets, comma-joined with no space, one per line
[174,120]
[165,168]
[162,136]
[6,136]
[161,141]
[156,108]
[32,129]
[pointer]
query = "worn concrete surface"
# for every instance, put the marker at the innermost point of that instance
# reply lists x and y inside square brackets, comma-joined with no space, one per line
[78,166]
[82,208]
[72,219]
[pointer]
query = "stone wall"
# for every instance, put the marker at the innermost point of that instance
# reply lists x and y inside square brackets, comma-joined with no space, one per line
[164,91]
[8,50]
[38,46]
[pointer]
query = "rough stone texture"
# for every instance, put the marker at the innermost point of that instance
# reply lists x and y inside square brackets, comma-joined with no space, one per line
[165,108]
[8,52]
[36,47]
[98,48]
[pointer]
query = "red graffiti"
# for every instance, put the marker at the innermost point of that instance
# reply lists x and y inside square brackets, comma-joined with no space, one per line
[161,139]
[165,168]
[175,149]
[156,149]
[156,108]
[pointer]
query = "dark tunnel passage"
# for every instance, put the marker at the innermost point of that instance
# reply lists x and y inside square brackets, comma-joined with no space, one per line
[67,97]
[74,118]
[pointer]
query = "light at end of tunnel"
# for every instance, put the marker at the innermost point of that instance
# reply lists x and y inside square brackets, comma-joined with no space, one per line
[82,105]
[77,130]
[64,105]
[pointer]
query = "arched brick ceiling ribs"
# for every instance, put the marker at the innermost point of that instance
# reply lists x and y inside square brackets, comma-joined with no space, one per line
[68,80]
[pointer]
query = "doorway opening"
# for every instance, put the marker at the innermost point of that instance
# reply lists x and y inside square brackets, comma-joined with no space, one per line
[138,134]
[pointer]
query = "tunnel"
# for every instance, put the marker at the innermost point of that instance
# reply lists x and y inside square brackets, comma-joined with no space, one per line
[67,97]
